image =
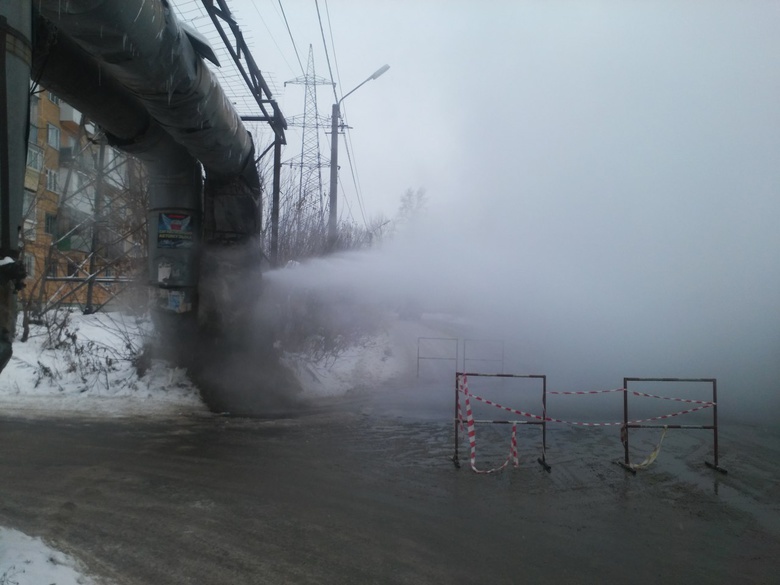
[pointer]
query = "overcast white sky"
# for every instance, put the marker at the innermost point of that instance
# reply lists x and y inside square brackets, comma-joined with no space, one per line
[595,167]
[564,105]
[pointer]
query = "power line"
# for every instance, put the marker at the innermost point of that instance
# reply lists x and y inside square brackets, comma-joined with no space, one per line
[346,202]
[347,143]
[325,45]
[287,24]
[332,44]
[265,24]
[355,182]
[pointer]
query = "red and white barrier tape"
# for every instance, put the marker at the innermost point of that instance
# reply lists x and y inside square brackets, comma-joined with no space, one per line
[512,410]
[583,424]
[464,388]
[587,392]
[536,416]
[670,415]
[707,402]
[640,420]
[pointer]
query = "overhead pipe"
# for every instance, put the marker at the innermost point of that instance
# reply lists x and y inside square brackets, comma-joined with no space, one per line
[141,44]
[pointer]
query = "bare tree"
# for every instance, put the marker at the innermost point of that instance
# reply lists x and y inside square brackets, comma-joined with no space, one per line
[85,227]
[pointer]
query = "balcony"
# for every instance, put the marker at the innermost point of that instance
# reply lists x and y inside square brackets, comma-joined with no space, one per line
[70,118]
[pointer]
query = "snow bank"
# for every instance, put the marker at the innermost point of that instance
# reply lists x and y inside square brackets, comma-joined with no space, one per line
[28,561]
[369,364]
[87,366]
[388,356]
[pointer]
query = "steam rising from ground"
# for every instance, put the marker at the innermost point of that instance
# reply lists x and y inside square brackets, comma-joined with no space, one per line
[585,312]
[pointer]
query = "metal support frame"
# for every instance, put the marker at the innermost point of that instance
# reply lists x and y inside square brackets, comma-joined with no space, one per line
[425,357]
[626,463]
[543,423]
[219,12]
[499,360]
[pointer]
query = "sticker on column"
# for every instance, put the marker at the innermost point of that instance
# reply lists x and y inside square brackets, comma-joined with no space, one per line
[164,269]
[174,230]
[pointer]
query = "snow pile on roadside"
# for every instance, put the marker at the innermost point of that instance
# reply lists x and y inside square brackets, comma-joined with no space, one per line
[86,364]
[388,356]
[369,364]
[28,561]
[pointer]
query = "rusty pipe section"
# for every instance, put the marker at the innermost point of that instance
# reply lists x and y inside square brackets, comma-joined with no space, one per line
[141,45]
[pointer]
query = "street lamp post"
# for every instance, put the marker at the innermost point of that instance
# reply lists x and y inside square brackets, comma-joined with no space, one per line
[334,159]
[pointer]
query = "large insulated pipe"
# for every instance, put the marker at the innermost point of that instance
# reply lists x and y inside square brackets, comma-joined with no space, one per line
[140,43]
[15,56]
[175,184]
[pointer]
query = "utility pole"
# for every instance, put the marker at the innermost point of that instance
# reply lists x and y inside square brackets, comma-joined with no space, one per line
[334,160]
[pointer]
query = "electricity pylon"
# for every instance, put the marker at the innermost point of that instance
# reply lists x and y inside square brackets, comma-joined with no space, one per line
[310,162]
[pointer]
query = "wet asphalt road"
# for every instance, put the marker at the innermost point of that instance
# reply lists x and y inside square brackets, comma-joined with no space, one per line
[352,497]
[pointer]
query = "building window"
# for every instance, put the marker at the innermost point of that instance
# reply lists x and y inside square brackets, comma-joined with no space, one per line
[29,212]
[50,226]
[35,157]
[73,268]
[29,205]
[52,272]
[54,136]
[33,136]
[29,265]
[54,99]
[30,233]
[52,183]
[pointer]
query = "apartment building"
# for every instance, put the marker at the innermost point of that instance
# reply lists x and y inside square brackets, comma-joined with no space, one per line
[84,211]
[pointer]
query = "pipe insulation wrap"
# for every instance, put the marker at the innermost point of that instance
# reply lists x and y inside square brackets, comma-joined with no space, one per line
[16,20]
[139,43]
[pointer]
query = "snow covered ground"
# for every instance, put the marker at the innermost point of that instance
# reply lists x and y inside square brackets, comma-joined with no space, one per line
[29,561]
[86,366]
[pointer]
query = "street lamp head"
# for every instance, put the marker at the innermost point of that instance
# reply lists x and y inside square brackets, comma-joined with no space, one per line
[376,74]
[380,71]
[334,156]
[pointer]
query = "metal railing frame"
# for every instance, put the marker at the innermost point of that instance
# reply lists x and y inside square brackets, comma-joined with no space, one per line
[423,357]
[543,423]
[499,360]
[626,463]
